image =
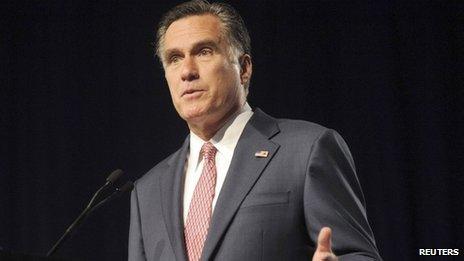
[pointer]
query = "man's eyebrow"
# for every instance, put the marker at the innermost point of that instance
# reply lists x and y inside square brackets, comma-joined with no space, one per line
[195,47]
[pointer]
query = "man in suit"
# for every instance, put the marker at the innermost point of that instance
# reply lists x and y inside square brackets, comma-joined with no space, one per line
[244,185]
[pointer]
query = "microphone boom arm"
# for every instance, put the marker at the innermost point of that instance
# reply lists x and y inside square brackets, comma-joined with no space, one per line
[92,205]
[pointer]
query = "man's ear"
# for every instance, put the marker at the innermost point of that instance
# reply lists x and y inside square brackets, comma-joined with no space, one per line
[246,68]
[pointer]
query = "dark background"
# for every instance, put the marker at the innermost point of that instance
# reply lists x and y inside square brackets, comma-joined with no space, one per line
[81,95]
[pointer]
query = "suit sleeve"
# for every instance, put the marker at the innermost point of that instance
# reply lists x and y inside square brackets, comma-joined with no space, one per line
[333,198]
[136,249]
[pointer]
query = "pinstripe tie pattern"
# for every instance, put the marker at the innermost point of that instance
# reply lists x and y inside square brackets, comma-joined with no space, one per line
[199,213]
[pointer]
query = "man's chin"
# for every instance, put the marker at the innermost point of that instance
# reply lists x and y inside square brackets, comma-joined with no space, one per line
[193,116]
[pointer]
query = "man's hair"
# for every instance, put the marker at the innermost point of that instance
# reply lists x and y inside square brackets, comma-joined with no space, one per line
[233,27]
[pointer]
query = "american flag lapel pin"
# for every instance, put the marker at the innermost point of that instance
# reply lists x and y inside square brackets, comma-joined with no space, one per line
[262,154]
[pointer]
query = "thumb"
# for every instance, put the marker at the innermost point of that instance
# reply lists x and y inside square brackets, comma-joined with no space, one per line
[324,243]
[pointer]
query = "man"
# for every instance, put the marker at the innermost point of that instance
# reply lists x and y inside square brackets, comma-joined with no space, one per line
[244,186]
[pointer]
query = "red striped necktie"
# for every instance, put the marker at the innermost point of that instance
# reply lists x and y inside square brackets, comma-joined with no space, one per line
[200,210]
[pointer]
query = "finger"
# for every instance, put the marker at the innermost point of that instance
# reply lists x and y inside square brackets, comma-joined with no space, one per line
[324,240]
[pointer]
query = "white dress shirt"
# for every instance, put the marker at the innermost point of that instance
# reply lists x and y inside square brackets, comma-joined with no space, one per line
[225,141]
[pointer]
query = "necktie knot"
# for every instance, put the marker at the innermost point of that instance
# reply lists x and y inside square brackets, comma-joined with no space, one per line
[208,150]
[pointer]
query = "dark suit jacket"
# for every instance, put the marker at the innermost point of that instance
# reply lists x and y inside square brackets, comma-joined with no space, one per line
[269,208]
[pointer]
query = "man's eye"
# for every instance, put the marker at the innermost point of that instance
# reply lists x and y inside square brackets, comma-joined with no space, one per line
[174,59]
[205,51]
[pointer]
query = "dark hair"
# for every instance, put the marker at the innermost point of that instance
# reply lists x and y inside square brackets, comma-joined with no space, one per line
[233,26]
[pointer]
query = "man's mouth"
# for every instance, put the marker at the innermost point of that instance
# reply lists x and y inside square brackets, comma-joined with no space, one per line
[192,92]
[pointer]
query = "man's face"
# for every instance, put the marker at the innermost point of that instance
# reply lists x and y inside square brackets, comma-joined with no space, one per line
[204,79]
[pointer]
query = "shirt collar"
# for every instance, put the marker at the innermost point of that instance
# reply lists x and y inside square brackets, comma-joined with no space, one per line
[227,137]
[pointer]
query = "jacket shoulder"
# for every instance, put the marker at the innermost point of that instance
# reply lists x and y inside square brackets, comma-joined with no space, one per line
[301,128]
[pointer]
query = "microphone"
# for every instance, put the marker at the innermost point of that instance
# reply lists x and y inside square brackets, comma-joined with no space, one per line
[93,204]
[128,186]
[110,180]
[113,177]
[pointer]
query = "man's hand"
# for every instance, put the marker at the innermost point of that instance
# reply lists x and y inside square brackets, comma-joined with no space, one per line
[324,248]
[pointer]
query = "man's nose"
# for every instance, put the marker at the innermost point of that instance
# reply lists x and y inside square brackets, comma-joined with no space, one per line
[189,69]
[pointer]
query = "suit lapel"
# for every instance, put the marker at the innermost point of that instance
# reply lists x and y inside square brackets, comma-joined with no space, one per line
[171,187]
[243,172]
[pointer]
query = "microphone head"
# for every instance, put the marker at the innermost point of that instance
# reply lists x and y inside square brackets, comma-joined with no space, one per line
[114,176]
[128,186]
